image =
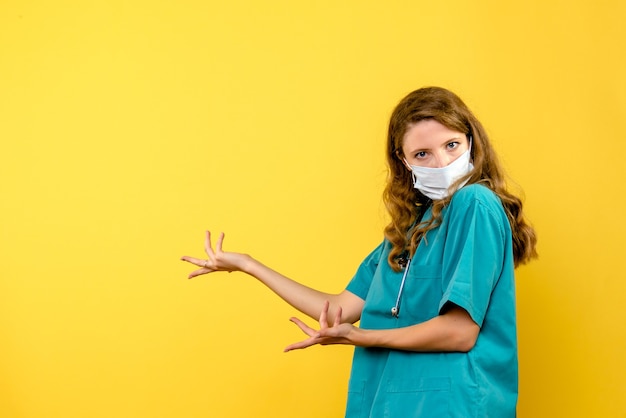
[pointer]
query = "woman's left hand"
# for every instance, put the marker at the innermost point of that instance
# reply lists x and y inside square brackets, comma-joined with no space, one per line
[337,333]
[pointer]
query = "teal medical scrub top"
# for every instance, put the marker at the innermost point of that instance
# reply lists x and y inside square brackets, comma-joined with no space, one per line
[467,261]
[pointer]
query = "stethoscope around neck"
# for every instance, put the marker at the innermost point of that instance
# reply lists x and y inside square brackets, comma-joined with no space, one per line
[405,263]
[395,311]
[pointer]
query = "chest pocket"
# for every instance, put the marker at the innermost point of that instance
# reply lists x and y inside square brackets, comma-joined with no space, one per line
[422,292]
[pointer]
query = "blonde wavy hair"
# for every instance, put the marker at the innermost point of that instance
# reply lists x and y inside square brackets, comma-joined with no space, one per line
[406,204]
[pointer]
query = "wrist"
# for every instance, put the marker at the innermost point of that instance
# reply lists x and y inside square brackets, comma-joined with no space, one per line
[360,337]
[248,264]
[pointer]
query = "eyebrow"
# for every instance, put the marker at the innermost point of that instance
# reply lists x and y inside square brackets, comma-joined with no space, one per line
[447,141]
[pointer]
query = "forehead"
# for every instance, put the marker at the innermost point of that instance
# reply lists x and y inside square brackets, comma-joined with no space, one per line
[428,132]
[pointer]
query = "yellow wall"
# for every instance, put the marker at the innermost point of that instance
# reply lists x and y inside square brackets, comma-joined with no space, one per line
[128,127]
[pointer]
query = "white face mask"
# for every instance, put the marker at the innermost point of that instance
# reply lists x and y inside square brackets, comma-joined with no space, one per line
[435,182]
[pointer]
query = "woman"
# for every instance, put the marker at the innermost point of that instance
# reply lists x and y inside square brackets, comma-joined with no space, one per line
[436,299]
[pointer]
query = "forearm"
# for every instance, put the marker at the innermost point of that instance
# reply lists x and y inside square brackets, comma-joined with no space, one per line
[453,331]
[305,299]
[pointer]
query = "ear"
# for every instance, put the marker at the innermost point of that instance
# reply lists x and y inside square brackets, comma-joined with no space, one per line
[404,162]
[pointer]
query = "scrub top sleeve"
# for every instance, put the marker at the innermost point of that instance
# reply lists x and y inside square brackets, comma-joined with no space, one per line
[360,283]
[474,253]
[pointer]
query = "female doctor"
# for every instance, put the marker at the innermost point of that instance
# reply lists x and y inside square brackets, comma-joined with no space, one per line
[436,299]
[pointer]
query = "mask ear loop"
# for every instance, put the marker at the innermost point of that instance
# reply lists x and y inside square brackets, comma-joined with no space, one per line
[403,159]
[408,166]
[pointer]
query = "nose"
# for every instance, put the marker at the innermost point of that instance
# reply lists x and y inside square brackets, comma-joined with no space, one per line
[442,159]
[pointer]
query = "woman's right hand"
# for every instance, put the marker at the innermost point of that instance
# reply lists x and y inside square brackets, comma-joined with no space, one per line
[218,260]
[305,299]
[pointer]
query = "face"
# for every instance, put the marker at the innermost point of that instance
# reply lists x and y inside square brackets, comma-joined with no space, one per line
[430,144]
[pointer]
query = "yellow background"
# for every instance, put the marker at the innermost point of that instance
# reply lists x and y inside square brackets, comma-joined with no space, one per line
[127,128]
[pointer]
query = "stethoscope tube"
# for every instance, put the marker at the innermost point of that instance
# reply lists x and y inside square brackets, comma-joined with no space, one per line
[395,311]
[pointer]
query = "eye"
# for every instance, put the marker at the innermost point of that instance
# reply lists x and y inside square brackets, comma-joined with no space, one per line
[453,145]
[421,154]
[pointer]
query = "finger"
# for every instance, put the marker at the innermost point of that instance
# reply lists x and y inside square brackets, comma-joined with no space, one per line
[338,317]
[218,245]
[304,327]
[197,261]
[324,316]
[207,245]
[302,344]
[198,272]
